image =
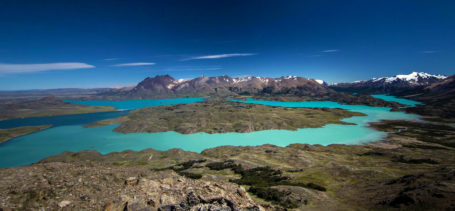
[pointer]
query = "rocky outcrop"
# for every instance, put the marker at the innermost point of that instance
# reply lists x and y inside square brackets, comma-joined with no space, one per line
[53,186]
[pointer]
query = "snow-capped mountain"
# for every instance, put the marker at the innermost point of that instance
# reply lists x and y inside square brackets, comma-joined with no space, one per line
[397,85]
[322,82]
[166,85]
[415,78]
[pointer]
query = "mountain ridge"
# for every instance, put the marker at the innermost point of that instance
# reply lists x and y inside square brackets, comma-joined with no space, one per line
[398,85]
[165,85]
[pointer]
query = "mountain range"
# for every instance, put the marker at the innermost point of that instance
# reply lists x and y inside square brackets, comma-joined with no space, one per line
[167,86]
[436,91]
[398,85]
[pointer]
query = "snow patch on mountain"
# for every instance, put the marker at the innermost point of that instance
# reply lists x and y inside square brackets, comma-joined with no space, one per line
[319,81]
[290,77]
[182,80]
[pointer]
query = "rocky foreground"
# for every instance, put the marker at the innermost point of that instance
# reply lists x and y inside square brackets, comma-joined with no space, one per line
[412,169]
[88,186]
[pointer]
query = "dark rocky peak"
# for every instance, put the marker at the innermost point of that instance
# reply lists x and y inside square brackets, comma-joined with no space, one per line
[156,82]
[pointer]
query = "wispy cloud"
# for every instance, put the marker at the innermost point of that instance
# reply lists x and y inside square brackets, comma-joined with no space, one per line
[330,51]
[193,68]
[111,59]
[428,52]
[134,64]
[219,56]
[29,68]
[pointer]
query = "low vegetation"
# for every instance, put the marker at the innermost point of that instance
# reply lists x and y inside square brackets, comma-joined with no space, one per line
[260,180]
[218,116]
[440,133]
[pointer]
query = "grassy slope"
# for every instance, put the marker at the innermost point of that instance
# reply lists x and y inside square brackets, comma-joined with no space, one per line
[7,134]
[216,116]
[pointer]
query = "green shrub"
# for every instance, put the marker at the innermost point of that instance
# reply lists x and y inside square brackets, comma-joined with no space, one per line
[276,196]
[190,175]
[261,179]
[221,165]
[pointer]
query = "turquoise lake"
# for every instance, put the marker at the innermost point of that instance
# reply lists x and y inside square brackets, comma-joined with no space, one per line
[398,100]
[31,148]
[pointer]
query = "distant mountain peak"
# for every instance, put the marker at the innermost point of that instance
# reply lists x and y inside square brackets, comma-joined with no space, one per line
[397,85]
[322,82]
[418,78]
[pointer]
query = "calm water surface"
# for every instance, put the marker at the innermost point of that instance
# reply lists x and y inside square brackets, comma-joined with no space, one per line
[31,148]
[398,100]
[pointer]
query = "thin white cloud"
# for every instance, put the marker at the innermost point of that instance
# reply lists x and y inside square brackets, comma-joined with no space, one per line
[220,56]
[330,51]
[429,52]
[111,59]
[134,64]
[193,68]
[29,68]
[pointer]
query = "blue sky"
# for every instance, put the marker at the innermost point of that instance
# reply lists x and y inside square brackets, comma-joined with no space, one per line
[62,43]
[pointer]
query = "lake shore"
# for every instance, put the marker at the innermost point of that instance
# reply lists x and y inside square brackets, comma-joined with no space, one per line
[8,134]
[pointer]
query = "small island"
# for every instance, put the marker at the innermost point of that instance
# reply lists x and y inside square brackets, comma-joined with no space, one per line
[219,116]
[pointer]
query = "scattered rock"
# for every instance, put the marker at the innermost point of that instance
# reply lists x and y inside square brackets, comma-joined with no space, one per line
[64,203]
[132,181]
